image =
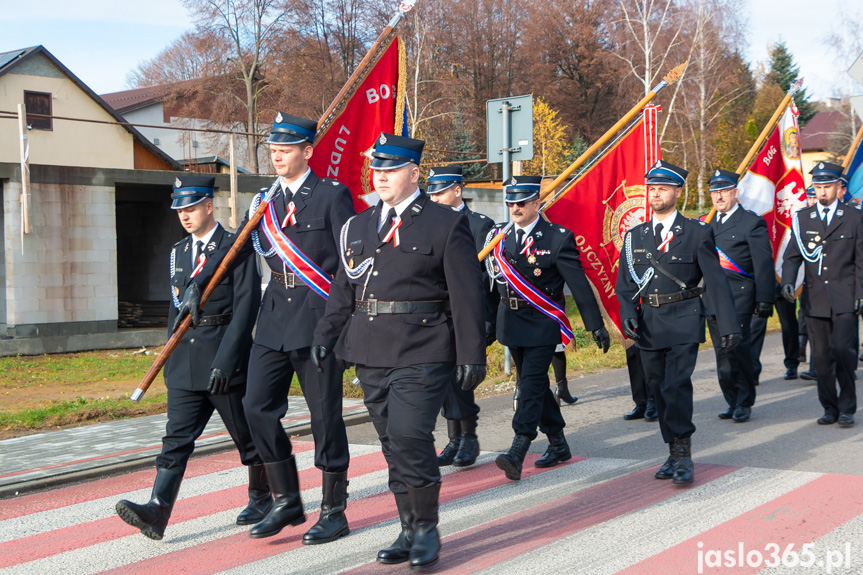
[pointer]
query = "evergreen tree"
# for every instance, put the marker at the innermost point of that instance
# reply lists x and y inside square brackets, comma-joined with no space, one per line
[462,140]
[784,72]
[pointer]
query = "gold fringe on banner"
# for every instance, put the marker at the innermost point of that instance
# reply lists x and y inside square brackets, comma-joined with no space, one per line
[402,88]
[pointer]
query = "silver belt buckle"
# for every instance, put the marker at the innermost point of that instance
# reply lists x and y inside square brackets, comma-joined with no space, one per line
[289,280]
[373,307]
[513,303]
[653,299]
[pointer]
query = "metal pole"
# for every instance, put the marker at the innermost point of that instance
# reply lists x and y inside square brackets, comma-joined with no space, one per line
[507,155]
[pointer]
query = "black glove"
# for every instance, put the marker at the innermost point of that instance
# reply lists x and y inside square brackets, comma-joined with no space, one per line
[600,336]
[490,333]
[630,327]
[858,306]
[764,309]
[788,293]
[730,341]
[191,305]
[219,382]
[319,353]
[469,376]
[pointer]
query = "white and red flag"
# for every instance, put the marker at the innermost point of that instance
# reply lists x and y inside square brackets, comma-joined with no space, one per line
[773,187]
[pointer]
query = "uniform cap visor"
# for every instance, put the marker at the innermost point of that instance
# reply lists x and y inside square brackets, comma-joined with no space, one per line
[519,196]
[720,185]
[186,201]
[439,187]
[285,139]
[824,178]
[663,180]
[388,164]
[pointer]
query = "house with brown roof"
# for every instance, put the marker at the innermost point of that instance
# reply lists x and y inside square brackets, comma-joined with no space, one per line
[100,227]
[818,138]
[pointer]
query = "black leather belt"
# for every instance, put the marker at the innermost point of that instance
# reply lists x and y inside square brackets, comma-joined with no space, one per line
[656,300]
[515,303]
[374,307]
[222,319]
[288,280]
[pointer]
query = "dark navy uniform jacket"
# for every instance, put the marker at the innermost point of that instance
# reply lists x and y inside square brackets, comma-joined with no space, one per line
[480,226]
[289,315]
[557,262]
[436,260]
[840,280]
[691,257]
[208,346]
[743,238]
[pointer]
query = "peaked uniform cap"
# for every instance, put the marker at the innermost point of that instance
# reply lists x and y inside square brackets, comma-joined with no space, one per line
[520,188]
[189,190]
[723,180]
[443,177]
[393,152]
[665,173]
[288,129]
[826,173]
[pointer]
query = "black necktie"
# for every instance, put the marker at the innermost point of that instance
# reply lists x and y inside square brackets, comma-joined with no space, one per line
[519,237]
[721,217]
[657,234]
[824,217]
[199,249]
[388,223]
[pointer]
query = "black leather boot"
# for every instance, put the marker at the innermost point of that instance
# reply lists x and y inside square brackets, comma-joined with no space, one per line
[511,461]
[562,393]
[425,549]
[332,523]
[152,517]
[468,448]
[650,411]
[260,500]
[446,457]
[399,551]
[666,471]
[287,506]
[683,469]
[558,450]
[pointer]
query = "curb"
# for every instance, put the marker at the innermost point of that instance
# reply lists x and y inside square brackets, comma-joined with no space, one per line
[26,487]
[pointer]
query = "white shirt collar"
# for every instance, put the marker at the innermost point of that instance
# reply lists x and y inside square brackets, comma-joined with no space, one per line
[400,207]
[461,207]
[529,227]
[205,238]
[831,210]
[666,223]
[296,184]
[729,212]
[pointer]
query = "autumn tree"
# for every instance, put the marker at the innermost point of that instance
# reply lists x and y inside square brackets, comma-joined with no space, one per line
[550,143]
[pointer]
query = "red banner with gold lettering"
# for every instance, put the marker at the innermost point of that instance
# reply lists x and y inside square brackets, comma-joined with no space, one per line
[342,149]
[605,202]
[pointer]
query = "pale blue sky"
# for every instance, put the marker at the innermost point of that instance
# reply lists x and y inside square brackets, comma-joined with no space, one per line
[101,43]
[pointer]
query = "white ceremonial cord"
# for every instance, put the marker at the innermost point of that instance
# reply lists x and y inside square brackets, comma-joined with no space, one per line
[256,242]
[641,281]
[813,256]
[489,261]
[173,297]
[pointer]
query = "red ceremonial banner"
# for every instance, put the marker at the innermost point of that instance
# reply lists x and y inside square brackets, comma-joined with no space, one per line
[605,202]
[342,150]
[773,185]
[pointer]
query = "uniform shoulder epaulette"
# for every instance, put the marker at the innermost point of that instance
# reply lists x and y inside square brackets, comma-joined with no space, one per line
[701,223]
[179,243]
[229,234]
[331,181]
[485,217]
[562,229]
[265,190]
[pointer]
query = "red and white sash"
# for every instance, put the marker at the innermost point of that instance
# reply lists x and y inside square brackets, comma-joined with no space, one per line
[303,267]
[535,297]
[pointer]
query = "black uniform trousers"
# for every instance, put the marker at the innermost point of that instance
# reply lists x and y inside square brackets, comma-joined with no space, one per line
[787,313]
[188,415]
[669,372]
[735,370]
[266,403]
[834,342]
[637,383]
[459,404]
[537,406]
[403,403]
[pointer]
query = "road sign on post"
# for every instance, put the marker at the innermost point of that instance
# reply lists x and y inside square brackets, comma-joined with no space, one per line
[509,137]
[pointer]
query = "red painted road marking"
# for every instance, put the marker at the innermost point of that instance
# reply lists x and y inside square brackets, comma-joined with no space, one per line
[237,550]
[56,498]
[492,543]
[800,516]
[74,537]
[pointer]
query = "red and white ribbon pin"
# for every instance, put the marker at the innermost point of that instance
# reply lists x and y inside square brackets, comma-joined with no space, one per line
[393,234]
[290,217]
[528,243]
[202,259]
[664,245]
